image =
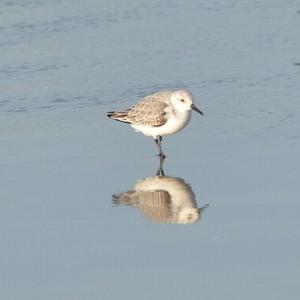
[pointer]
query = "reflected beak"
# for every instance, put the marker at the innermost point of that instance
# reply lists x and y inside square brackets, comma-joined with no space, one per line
[202,209]
[193,107]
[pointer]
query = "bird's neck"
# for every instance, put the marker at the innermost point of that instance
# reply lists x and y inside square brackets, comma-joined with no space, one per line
[180,113]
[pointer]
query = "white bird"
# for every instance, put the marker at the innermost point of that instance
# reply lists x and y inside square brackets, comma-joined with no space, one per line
[159,114]
[163,199]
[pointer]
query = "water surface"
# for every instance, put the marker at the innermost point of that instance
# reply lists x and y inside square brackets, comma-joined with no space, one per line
[63,64]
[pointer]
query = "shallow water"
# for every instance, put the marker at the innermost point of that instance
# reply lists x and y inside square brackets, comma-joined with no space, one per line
[64,235]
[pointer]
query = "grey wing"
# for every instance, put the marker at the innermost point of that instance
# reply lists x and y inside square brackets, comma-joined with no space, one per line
[155,198]
[150,112]
[156,204]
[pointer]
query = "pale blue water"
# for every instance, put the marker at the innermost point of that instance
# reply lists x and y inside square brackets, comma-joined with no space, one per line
[63,64]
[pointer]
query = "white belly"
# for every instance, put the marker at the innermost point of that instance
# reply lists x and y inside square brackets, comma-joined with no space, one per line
[174,124]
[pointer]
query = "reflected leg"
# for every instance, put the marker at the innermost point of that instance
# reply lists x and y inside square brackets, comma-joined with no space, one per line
[160,170]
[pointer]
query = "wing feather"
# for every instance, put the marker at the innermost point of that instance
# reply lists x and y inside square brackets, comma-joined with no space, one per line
[150,111]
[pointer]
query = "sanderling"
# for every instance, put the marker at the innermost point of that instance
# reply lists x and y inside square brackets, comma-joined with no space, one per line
[162,199]
[159,114]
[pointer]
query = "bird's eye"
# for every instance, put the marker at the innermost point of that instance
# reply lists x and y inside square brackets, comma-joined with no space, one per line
[182,100]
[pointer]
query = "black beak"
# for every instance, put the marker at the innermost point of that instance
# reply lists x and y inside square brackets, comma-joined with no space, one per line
[193,107]
[202,209]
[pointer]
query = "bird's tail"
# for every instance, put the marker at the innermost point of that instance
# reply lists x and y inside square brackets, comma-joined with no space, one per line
[121,116]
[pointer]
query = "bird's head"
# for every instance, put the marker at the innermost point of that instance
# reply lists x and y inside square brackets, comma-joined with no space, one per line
[188,215]
[183,100]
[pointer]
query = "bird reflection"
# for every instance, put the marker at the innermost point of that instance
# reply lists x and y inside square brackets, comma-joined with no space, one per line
[162,199]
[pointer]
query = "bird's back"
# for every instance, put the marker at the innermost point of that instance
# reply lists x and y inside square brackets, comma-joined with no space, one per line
[148,111]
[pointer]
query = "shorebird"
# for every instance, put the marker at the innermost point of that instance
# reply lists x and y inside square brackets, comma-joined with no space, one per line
[159,114]
[163,199]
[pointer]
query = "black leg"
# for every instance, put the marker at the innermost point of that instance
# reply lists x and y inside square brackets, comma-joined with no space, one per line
[160,171]
[158,141]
